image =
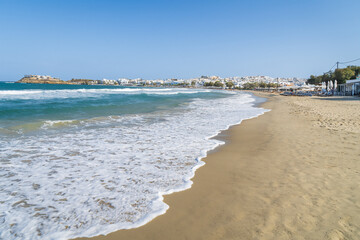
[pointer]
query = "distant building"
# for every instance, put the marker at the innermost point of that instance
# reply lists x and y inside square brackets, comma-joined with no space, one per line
[39,77]
[123,81]
[350,88]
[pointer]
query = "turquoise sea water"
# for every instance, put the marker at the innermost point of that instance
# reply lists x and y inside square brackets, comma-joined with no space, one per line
[89,160]
[35,103]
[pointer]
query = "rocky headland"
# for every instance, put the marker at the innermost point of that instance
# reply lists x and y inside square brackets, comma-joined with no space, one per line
[41,80]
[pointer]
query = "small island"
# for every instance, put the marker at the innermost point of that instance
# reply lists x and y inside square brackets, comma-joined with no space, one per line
[41,79]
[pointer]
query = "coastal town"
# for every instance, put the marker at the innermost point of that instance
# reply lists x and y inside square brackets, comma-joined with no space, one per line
[327,87]
[200,82]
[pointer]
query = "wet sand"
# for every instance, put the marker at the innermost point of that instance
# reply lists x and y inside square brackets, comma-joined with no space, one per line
[292,173]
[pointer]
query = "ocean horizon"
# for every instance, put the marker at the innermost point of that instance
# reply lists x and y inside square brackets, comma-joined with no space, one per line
[80,161]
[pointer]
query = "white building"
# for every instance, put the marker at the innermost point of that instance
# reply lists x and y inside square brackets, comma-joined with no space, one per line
[123,81]
[350,88]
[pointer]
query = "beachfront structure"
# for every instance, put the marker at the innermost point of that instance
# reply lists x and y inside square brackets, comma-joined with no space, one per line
[350,88]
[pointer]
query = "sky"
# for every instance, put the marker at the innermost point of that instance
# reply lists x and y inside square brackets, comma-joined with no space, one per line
[160,39]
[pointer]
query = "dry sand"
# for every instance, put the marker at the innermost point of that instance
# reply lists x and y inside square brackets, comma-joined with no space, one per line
[292,173]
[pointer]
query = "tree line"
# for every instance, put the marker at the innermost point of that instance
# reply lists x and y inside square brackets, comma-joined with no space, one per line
[340,74]
[249,86]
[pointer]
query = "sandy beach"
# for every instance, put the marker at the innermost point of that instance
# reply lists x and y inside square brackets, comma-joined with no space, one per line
[292,173]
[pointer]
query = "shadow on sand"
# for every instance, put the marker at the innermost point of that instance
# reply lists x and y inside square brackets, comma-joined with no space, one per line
[339,98]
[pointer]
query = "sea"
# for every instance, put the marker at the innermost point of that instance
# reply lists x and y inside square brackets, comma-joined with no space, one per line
[81,161]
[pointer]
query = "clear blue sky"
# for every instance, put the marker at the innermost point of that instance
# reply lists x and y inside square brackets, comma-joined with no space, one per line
[176,38]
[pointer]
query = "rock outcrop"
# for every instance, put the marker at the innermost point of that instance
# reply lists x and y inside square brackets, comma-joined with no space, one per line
[41,80]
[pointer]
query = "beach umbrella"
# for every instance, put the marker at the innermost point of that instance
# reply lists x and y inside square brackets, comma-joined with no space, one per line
[335,85]
[331,85]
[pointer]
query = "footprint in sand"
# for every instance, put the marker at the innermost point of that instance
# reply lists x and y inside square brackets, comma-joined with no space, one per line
[346,230]
[346,224]
[335,234]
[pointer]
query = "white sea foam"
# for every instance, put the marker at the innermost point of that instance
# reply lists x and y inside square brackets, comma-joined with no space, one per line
[58,123]
[80,93]
[110,173]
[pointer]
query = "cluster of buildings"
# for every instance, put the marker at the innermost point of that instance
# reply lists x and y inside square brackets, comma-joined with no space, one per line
[205,80]
[237,82]
[38,76]
[351,87]
[281,82]
[41,77]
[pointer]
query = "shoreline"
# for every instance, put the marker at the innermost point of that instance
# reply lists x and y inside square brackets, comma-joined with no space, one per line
[240,194]
[221,137]
[226,111]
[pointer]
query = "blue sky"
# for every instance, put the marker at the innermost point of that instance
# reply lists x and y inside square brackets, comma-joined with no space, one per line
[177,38]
